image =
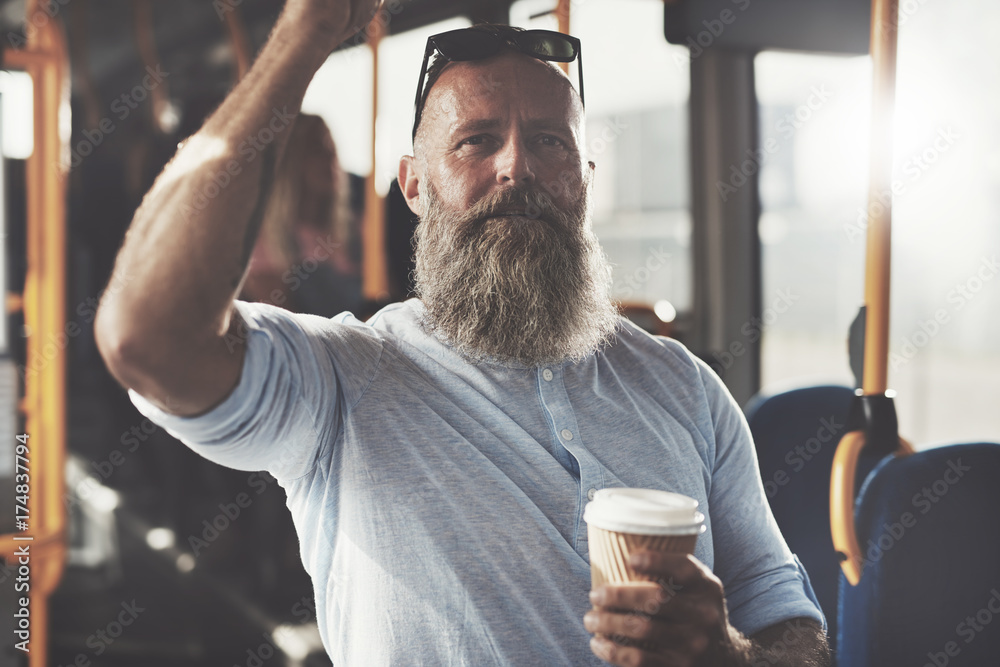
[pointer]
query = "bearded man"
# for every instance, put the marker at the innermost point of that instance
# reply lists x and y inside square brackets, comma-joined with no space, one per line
[437,458]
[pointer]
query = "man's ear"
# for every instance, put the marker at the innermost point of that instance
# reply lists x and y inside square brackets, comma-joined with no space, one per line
[409,183]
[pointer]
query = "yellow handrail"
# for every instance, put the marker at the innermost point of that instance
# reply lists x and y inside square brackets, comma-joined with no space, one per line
[45,60]
[878,257]
[374,272]
[845,540]
[562,15]
[877,271]
[845,465]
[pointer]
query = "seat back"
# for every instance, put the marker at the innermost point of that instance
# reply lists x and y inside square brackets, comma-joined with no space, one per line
[796,433]
[929,528]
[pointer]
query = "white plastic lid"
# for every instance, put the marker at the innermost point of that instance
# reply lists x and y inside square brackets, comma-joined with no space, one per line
[644,512]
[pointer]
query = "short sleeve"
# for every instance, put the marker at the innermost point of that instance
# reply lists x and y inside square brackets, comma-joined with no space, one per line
[764,582]
[301,375]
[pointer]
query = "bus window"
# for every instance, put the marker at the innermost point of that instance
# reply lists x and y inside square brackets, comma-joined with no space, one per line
[945,329]
[637,134]
[17,112]
[813,135]
[346,75]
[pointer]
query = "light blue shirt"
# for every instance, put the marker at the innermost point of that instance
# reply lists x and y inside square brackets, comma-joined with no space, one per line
[439,504]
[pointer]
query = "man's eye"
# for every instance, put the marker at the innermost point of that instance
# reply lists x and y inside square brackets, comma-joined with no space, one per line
[549,140]
[477,140]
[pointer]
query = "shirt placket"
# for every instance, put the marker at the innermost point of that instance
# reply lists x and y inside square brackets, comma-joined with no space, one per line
[566,432]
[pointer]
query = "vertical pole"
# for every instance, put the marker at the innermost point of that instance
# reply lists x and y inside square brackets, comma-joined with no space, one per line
[878,255]
[562,14]
[879,241]
[724,239]
[374,273]
[44,312]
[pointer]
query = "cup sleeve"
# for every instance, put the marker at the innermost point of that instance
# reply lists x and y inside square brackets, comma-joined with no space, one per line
[301,375]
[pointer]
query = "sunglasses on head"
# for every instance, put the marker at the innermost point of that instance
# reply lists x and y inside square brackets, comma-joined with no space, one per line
[477,44]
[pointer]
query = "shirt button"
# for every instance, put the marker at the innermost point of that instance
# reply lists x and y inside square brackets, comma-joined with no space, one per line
[547,374]
[591,494]
[566,434]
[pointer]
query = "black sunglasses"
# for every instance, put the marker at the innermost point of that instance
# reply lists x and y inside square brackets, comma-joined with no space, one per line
[476,44]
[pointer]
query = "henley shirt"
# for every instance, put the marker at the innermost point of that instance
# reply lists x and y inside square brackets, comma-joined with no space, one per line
[439,503]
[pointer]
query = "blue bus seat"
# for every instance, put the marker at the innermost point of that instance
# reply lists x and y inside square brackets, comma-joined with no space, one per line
[929,528]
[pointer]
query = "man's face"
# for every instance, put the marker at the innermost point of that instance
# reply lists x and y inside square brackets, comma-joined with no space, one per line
[506,263]
[510,121]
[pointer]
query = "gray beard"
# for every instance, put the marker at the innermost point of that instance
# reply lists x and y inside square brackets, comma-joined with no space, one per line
[531,290]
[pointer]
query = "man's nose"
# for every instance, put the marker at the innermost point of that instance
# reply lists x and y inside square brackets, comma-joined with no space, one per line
[514,164]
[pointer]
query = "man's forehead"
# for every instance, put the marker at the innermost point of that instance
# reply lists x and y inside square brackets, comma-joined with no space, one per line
[536,84]
[489,74]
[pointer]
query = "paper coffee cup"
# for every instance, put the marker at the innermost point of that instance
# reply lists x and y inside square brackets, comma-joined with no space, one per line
[621,521]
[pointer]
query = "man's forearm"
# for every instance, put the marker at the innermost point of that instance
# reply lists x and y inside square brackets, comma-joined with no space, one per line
[186,252]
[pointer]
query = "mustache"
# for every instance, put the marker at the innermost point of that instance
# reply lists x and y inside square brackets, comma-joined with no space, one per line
[531,204]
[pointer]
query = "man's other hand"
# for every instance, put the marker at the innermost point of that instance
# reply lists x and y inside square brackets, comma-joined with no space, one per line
[332,20]
[680,619]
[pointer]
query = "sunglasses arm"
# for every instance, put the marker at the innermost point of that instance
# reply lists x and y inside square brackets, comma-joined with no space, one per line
[417,111]
[579,70]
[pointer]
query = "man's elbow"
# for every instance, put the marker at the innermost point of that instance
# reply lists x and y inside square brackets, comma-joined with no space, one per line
[120,350]
[135,358]
[798,642]
[181,374]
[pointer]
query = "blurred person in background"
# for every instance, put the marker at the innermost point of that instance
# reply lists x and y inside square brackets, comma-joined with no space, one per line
[302,260]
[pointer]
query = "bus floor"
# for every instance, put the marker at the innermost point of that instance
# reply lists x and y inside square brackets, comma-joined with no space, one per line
[148,611]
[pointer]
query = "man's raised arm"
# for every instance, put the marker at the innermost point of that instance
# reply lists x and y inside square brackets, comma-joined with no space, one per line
[163,333]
